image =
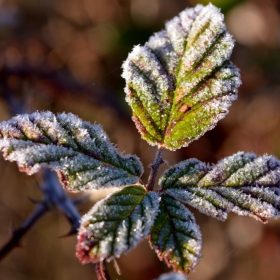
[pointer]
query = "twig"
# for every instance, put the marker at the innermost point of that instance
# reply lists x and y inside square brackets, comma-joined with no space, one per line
[154,168]
[101,271]
[18,233]
[54,196]
[57,197]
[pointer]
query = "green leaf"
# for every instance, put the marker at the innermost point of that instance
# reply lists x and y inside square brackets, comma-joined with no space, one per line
[175,235]
[181,83]
[78,151]
[116,224]
[172,276]
[243,183]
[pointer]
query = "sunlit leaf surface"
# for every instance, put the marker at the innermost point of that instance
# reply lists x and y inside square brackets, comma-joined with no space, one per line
[78,151]
[243,183]
[181,82]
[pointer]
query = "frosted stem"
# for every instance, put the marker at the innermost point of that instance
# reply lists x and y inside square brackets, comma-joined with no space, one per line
[154,168]
[101,271]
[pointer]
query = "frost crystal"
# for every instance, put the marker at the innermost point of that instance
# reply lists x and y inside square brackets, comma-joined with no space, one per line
[78,151]
[175,235]
[243,183]
[116,224]
[181,82]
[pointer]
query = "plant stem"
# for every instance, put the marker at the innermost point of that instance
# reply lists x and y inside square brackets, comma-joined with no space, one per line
[101,271]
[154,168]
[18,233]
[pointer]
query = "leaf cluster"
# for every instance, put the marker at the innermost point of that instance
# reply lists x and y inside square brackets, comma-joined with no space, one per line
[179,85]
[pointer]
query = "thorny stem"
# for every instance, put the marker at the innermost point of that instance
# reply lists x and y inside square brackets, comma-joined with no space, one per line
[101,271]
[154,168]
[54,195]
[18,233]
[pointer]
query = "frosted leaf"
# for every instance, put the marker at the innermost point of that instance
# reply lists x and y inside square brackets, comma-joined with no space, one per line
[181,82]
[116,224]
[175,236]
[172,276]
[243,183]
[78,151]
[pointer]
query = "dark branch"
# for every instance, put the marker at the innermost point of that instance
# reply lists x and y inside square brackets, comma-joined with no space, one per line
[54,196]
[18,233]
[57,196]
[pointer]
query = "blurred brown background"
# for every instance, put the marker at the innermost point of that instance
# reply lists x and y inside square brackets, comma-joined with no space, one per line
[65,55]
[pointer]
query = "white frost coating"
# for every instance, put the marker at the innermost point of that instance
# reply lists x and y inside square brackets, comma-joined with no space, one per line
[202,200]
[177,237]
[8,130]
[179,27]
[191,171]
[27,127]
[250,172]
[180,67]
[272,178]
[79,151]
[39,154]
[160,44]
[116,224]
[225,81]
[242,183]
[245,205]
[210,15]
[198,48]
[177,34]
[172,276]
[148,63]
[188,16]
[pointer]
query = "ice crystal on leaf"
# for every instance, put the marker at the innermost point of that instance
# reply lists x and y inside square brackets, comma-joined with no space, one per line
[78,151]
[175,236]
[243,183]
[181,82]
[116,224]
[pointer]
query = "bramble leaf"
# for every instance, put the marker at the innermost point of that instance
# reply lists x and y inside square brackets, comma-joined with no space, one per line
[172,276]
[175,236]
[181,83]
[243,183]
[116,224]
[78,151]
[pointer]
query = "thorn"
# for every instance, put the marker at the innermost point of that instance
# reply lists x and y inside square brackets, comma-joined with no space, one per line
[116,266]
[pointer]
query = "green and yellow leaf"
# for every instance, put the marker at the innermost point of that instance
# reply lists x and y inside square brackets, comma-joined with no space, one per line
[181,83]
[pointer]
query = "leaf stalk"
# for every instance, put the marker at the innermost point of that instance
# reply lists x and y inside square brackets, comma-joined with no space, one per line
[154,168]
